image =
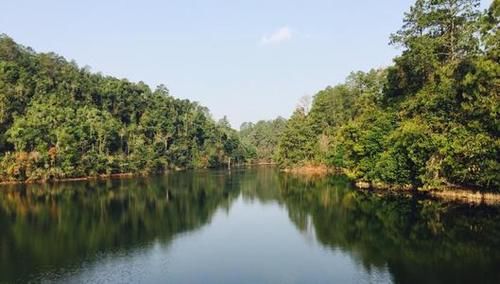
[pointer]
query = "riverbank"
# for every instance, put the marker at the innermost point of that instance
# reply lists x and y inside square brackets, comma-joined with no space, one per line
[445,193]
[310,170]
[57,180]
[467,195]
[118,175]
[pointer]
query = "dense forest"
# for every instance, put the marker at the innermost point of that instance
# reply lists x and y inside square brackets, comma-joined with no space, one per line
[429,120]
[58,120]
[261,139]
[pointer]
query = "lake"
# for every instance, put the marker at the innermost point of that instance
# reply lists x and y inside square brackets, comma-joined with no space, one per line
[254,225]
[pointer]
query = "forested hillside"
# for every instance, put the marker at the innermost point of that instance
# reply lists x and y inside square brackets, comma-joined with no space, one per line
[58,120]
[429,120]
[261,139]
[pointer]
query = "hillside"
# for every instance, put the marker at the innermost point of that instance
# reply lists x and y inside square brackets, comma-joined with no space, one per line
[430,120]
[58,121]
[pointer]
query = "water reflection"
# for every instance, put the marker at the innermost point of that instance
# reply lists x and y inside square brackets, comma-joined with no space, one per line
[418,240]
[48,230]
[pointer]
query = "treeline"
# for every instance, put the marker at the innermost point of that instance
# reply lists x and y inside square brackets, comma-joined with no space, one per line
[430,120]
[58,120]
[261,139]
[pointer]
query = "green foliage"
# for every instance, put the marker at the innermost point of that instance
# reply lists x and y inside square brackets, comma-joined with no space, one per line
[309,137]
[296,143]
[261,138]
[358,144]
[431,119]
[433,33]
[60,121]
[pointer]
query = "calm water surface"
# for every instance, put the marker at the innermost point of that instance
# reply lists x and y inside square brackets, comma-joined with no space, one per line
[244,226]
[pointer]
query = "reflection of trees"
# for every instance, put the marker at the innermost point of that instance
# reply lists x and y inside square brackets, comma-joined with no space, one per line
[417,240]
[59,225]
[260,183]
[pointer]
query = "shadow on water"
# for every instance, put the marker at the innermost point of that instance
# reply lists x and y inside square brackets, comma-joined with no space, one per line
[50,228]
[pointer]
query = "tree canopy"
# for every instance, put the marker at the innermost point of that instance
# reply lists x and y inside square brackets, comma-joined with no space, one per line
[429,120]
[58,120]
[261,139]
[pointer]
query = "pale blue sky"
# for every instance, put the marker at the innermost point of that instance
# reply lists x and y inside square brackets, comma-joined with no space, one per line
[249,60]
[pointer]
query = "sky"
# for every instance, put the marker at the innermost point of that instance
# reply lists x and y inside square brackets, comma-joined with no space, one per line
[249,60]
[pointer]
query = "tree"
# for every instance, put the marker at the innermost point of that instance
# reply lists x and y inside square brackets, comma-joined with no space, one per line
[434,33]
[261,138]
[447,27]
[58,121]
[296,143]
[428,121]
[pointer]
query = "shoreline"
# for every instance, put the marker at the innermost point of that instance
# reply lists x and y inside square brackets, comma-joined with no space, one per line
[116,175]
[310,170]
[60,180]
[445,193]
[467,196]
[452,193]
